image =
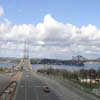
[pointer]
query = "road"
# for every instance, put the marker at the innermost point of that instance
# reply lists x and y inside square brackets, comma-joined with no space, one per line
[66,89]
[3,80]
[31,88]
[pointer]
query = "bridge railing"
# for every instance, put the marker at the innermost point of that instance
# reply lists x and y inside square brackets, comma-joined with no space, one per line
[9,91]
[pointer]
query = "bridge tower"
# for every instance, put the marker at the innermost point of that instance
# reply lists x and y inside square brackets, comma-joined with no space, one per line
[78,60]
[26,59]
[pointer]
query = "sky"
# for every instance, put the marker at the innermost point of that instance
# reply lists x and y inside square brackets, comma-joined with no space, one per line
[71,26]
[78,12]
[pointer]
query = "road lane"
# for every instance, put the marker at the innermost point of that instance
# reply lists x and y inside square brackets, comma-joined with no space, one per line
[31,88]
[3,80]
[65,90]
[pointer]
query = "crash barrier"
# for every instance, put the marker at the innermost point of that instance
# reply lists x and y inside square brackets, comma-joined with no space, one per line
[8,92]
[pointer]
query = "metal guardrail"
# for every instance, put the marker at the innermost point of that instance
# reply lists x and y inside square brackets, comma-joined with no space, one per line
[9,91]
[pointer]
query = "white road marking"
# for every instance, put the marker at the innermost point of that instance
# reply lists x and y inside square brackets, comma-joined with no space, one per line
[25,90]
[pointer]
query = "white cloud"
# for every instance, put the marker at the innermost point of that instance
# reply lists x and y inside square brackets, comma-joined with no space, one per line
[1,11]
[61,40]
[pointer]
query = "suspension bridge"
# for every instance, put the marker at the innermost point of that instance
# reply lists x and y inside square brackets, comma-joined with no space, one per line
[23,82]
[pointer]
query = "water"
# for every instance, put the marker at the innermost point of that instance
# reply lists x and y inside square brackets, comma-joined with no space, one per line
[67,67]
[71,68]
[4,65]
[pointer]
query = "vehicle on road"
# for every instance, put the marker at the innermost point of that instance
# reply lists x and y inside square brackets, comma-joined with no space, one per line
[46,89]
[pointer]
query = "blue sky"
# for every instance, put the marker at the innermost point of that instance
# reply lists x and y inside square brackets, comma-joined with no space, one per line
[73,23]
[78,12]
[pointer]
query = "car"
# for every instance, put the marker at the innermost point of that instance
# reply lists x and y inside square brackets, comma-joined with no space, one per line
[46,89]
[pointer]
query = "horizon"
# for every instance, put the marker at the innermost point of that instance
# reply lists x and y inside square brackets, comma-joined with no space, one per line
[45,58]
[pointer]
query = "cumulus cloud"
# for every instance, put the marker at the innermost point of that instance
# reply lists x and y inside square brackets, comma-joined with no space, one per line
[54,39]
[1,11]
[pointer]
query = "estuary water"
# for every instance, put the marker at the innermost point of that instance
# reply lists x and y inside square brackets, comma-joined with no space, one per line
[67,67]
[7,65]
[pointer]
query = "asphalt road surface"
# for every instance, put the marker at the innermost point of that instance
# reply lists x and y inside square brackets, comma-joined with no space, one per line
[66,90]
[31,88]
[3,80]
